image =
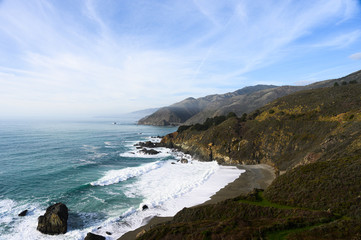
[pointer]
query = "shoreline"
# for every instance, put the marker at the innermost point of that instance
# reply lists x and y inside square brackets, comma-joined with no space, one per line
[256,176]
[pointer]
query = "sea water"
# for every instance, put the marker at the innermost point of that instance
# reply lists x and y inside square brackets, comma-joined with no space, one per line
[95,169]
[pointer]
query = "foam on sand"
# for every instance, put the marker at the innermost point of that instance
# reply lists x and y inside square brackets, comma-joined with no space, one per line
[169,188]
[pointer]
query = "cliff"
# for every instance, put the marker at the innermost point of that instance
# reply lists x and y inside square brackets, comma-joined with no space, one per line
[291,131]
[313,138]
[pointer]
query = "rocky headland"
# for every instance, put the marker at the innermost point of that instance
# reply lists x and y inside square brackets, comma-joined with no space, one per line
[312,138]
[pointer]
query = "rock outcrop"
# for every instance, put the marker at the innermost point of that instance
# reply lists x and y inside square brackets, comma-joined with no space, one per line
[183,160]
[54,221]
[149,151]
[92,236]
[23,213]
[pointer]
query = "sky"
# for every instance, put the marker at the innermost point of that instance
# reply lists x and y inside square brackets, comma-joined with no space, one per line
[66,58]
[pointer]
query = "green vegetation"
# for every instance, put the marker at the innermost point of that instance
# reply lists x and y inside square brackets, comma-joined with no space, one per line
[332,185]
[210,122]
[313,139]
[258,199]
[352,82]
[239,218]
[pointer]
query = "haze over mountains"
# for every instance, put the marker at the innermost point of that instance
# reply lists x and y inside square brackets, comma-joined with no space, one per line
[192,111]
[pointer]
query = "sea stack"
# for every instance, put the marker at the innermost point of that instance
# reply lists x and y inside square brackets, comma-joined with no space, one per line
[54,221]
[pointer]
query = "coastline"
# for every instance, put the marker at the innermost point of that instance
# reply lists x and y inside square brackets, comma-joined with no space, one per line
[256,176]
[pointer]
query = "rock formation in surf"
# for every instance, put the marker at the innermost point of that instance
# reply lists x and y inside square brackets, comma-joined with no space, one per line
[55,220]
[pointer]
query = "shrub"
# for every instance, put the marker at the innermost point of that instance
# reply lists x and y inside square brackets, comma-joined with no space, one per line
[244,117]
[231,115]
[352,82]
[183,128]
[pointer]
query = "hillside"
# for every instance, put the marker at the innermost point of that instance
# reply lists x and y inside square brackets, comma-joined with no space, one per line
[191,110]
[312,138]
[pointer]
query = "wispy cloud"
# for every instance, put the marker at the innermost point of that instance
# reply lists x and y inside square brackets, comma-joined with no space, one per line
[355,56]
[95,57]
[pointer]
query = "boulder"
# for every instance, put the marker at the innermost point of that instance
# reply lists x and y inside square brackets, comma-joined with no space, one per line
[55,220]
[92,236]
[145,207]
[147,144]
[149,152]
[183,160]
[23,213]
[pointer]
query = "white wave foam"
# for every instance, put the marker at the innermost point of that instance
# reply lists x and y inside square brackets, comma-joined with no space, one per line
[116,176]
[168,189]
[171,181]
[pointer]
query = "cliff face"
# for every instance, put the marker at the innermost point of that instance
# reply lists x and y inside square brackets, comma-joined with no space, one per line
[245,100]
[314,138]
[291,131]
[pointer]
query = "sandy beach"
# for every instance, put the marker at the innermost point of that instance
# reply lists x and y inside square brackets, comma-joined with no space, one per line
[256,176]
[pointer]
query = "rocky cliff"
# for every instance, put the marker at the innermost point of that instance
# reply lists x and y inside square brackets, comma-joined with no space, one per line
[303,127]
[313,138]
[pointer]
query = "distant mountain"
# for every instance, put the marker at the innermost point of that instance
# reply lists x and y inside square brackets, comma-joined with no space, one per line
[191,110]
[144,112]
[180,112]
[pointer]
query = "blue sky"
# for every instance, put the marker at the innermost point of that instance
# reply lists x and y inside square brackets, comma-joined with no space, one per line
[70,58]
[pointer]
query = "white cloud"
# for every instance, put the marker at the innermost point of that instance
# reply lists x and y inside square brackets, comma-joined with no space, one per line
[355,56]
[80,58]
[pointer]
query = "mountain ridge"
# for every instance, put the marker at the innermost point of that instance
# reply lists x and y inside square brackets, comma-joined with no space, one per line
[192,110]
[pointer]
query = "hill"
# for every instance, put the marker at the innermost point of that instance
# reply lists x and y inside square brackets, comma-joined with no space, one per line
[313,140]
[245,100]
[195,108]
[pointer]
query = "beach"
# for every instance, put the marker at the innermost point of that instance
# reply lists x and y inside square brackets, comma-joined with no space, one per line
[256,176]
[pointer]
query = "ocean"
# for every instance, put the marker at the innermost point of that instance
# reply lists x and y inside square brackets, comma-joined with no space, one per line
[94,168]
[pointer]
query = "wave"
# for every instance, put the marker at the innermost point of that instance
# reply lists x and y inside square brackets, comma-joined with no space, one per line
[116,176]
[180,180]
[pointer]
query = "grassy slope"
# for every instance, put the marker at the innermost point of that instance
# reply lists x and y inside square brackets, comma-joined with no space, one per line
[314,135]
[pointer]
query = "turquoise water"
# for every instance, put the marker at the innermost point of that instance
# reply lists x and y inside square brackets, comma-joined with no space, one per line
[47,162]
[95,169]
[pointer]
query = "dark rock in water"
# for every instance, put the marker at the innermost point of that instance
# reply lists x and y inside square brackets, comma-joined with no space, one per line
[147,144]
[183,160]
[55,219]
[172,162]
[23,213]
[109,233]
[149,152]
[92,236]
[145,207]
